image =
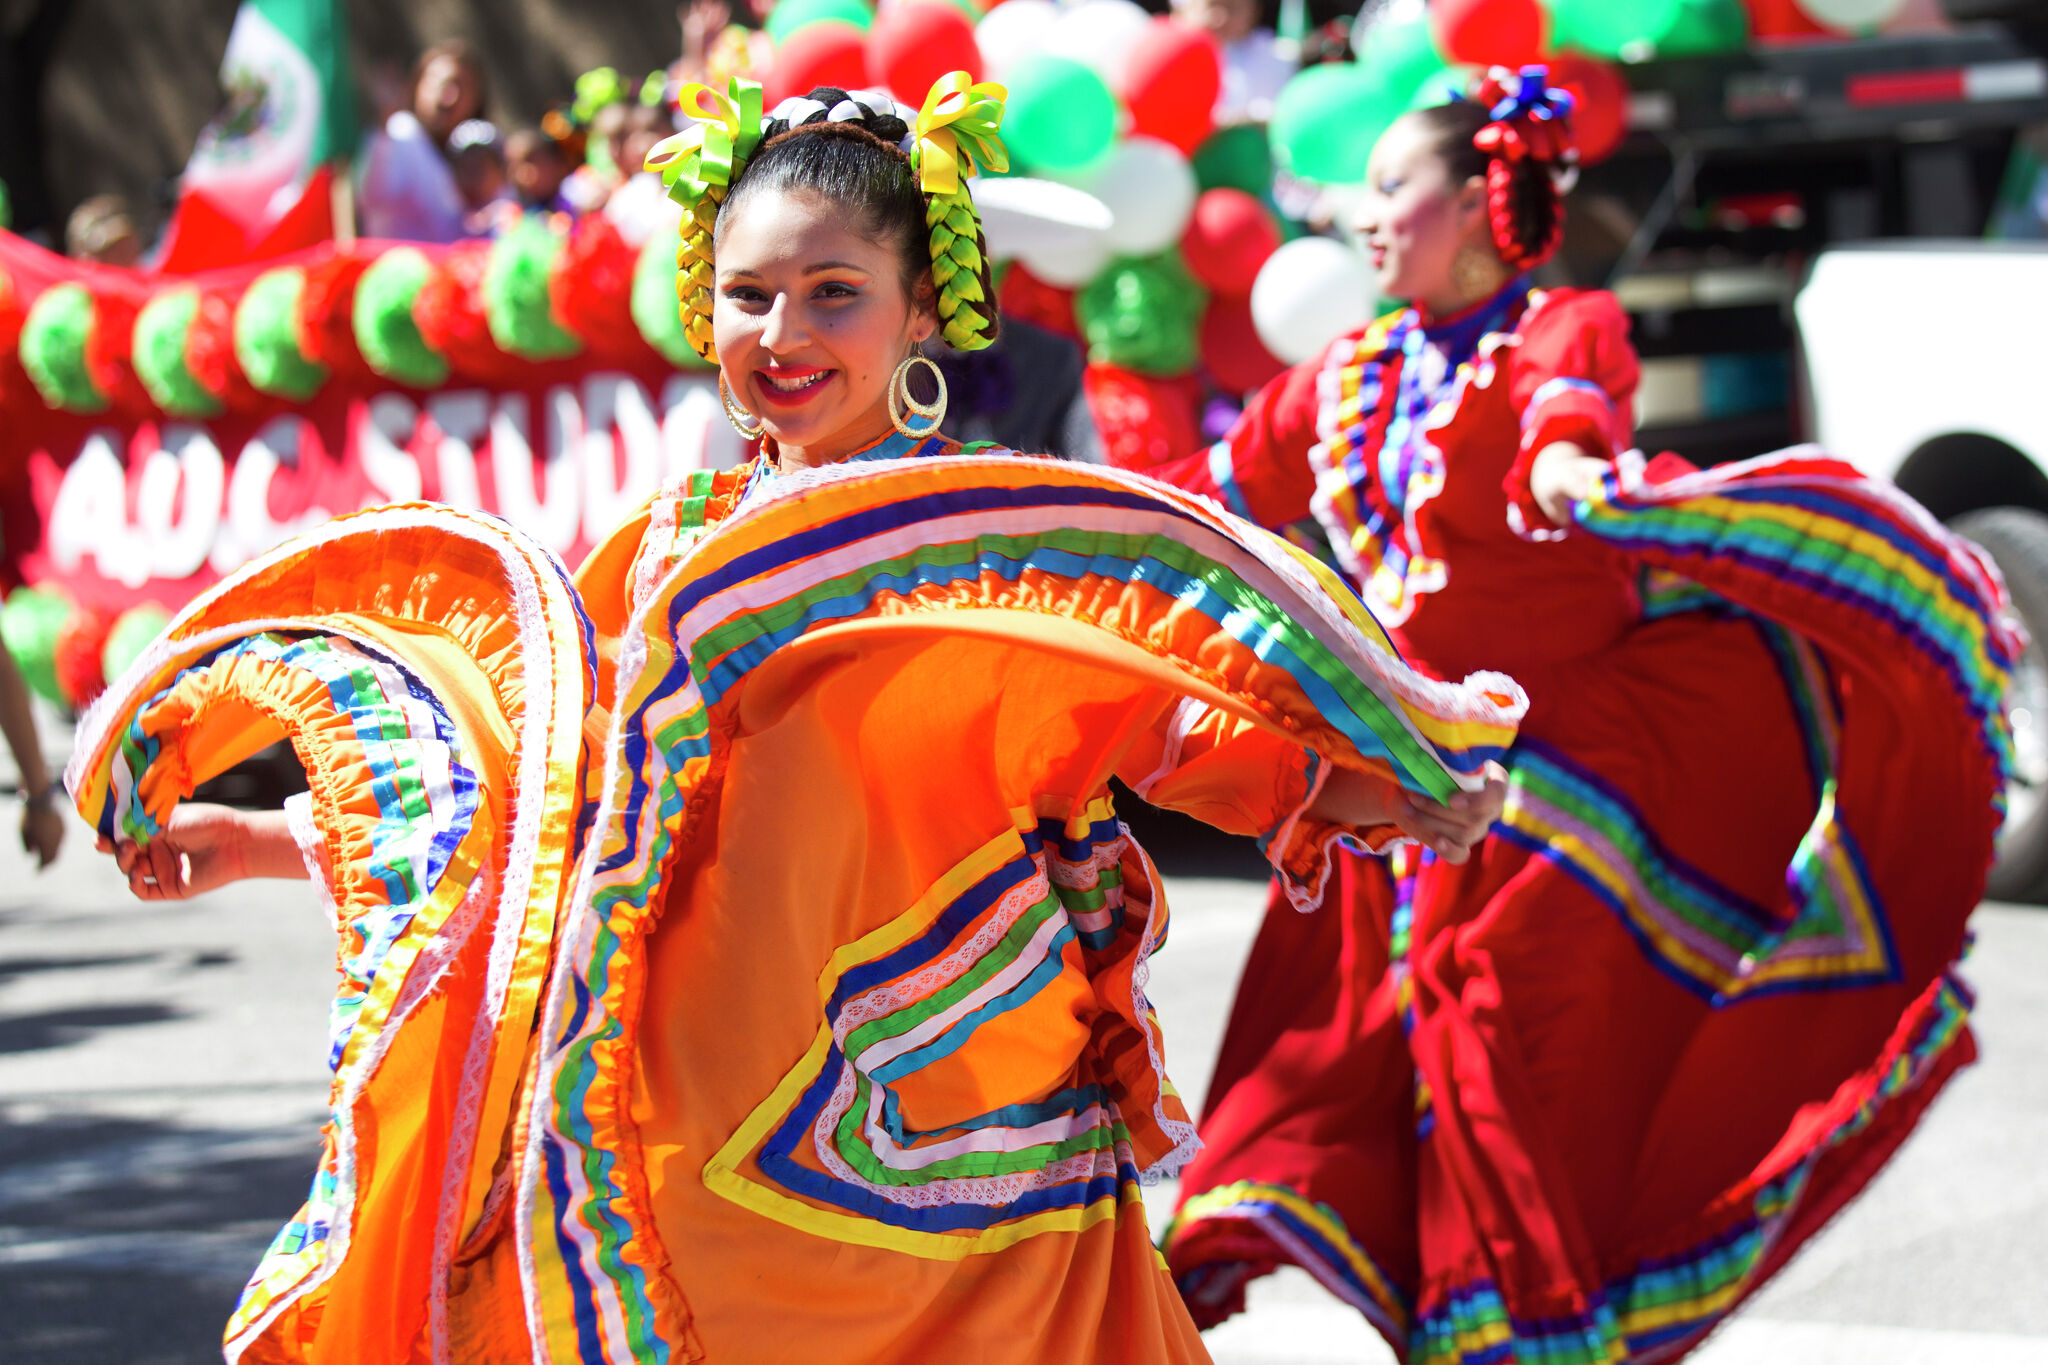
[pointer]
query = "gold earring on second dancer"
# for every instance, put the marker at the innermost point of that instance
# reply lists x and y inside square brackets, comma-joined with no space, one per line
[1477,273]
[736,414]
[902,404]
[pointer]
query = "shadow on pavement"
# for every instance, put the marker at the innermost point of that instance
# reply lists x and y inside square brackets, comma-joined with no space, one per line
[55,1028]
[126,1242]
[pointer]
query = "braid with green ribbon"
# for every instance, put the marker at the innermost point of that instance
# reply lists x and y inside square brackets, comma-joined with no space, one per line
[955,137]
[699,167]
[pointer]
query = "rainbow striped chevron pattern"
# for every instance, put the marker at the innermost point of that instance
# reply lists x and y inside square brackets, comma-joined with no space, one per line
[1241,618]
[432,669]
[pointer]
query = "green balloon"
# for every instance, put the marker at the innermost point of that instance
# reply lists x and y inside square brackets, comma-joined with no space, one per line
[134,630]
[1614,29]
[1327,120]
[1706,28]
[1235,158]
[656,311]
[791,15]
[1143,313]
[1445,84]
[1060,115]
[30,622]
[1401,53]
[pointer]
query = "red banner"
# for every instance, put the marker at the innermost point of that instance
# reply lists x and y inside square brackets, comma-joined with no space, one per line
[132,505]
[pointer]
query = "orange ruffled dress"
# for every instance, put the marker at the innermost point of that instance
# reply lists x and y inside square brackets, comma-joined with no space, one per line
[741,957]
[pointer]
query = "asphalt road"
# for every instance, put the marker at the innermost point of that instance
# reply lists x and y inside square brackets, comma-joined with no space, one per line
[161,1088]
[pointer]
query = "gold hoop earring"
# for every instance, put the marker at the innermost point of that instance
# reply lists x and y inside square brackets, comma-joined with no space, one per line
[736,414]
[1477,273]
[902,404]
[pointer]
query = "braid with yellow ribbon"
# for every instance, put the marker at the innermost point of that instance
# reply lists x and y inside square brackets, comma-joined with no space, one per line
[955,137]
[952,138]
[698,167]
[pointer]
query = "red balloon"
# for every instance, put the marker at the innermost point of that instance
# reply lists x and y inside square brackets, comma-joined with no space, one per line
[829,52]
[1237,360]
[914,42]
[1599,102]
[1142,421]
[1489,32]
[1782,19]
[1229,236]
[1170,84]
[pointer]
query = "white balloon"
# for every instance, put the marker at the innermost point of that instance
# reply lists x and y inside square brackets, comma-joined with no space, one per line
[1150,190]
[1013,31]
[1071,263]
[1100,34]
[1307,294]
[1852,16]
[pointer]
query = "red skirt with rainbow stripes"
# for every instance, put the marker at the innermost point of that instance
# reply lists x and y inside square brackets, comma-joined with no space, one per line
[1576,1100]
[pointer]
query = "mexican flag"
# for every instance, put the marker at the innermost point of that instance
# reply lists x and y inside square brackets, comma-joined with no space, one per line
[259,181]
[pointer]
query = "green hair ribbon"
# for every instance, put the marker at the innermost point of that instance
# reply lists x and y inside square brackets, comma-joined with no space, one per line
[711,155]
[957,132]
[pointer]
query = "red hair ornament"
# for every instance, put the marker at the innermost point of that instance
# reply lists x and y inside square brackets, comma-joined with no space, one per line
[1529,122]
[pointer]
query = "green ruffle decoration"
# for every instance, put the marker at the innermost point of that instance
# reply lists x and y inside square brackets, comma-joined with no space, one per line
[30,622]
[161,329]
[1143,314]
[516,303]
[52,346]
[385,331]
[267,337]
[655,311]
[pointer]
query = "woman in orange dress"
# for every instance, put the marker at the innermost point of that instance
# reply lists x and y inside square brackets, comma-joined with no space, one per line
[1574,1099]
[741,957]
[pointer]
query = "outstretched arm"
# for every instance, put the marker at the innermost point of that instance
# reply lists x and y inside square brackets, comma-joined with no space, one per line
[207,846]
[1361,801]
[1564,472]
[42,827]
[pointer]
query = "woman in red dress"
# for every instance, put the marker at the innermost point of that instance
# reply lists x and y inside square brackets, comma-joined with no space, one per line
[1577,1098]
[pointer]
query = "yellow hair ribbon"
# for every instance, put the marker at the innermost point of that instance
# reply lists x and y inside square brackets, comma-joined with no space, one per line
[715,151]
[957,132]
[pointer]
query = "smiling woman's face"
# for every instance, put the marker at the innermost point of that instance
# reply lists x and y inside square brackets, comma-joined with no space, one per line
[811,319]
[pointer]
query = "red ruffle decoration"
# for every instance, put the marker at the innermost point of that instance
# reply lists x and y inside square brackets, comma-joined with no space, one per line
[591,290]
[450,314]
[327,311]
[210,354]
[109,353]
[13,312]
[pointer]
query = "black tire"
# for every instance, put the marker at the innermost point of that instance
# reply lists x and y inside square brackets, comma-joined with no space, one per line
[2017,541]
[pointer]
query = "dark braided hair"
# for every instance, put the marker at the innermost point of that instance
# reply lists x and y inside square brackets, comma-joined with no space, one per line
[857,164]
[1524,202]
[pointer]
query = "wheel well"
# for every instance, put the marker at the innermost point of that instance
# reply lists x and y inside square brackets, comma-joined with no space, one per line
[1965,470]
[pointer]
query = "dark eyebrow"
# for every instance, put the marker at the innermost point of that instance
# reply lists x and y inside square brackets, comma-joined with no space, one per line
[822,266]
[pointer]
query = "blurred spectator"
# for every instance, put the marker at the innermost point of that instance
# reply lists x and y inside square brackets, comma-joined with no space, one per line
[408,190]
[641,208]
[1255,66]
[715,48]
[539,168]
[103,230]
[593,182]
[477,156]
[42,827]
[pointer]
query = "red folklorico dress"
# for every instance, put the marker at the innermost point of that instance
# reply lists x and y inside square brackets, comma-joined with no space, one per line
[1577,1099]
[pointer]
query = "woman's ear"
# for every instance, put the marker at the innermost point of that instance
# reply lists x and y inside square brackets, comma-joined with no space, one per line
[1472,201]
[924,310]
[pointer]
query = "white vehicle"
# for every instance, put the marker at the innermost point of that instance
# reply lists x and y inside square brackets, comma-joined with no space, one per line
[1926,364]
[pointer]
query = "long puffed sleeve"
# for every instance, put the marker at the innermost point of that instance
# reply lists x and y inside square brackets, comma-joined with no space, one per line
[1573,378]
[1225,771]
